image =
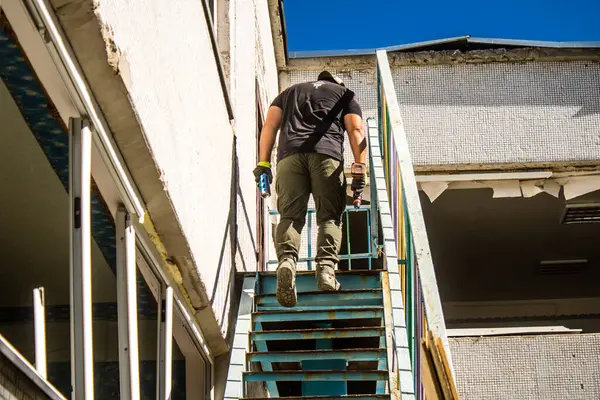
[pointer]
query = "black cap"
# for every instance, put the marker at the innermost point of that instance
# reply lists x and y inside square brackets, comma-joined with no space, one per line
[328,76]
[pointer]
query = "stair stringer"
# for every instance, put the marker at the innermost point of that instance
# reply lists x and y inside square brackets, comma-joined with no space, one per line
[400,367]
[234,387]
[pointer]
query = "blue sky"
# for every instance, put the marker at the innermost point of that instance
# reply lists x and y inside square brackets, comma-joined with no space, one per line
[348,24]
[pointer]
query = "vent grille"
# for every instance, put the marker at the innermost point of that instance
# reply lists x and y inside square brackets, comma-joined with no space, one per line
[585,213]
[562,267]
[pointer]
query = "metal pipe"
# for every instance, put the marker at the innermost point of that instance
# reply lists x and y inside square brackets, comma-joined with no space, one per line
[80,170]
[127,307]
[39,318]
[165,345]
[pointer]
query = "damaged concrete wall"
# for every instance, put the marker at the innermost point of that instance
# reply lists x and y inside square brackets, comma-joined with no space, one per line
[506,113]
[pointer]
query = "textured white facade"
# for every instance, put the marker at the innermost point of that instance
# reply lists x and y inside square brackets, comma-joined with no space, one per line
[174,87]
[492,113]
[165,57]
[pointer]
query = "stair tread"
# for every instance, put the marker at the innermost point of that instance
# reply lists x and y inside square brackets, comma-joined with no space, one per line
[292,311]
[315,371]
[364,328]
[322,333]
[337,272]
[317,351]
[300,294]
[346,396]
[315,375]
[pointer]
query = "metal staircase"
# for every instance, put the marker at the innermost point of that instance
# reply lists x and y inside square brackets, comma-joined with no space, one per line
[330,344]
[363,341]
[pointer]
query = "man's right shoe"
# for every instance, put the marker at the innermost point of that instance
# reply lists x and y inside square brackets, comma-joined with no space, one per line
[286,283]
[326,281]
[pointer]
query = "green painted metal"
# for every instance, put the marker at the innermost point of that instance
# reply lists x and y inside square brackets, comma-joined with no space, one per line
[324,371]
[329,387]
[324,307]
[367,297]
[368,209]
[301,355]
[358,256]
[318,315]
[290,376]
[266,365]
[310,334]
[348,241]
[309,241]
[305,282]
[350,396]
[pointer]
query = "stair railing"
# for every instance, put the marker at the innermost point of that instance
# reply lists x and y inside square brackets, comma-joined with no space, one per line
[412,279]
[367,250]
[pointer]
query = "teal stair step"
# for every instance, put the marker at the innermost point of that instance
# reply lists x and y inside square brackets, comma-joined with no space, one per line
[325,333]
[303,355]
[347,396]
[288,376]
[306,281]
[317,315]
[342,298]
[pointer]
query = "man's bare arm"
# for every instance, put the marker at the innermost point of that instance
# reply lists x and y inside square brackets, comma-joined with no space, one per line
[269,133]
[356,137]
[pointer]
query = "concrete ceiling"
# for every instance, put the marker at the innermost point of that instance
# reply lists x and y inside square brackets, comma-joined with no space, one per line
[34,221]
[487,249]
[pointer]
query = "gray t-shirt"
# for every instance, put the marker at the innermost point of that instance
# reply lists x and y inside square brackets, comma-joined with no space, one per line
[305,106]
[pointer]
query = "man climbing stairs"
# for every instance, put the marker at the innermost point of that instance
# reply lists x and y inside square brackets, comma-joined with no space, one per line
[330,344]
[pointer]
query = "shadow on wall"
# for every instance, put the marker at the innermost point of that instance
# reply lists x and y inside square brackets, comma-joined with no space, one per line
[227,284]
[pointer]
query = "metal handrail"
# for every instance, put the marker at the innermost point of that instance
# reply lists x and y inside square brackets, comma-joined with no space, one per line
[420,295]
[372,246]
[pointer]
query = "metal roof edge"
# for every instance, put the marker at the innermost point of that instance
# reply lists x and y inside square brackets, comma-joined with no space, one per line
[427,43]
[430,43]
[330,53]
[537,43]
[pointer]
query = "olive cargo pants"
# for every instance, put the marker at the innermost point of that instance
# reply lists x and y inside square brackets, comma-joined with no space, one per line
[299,175]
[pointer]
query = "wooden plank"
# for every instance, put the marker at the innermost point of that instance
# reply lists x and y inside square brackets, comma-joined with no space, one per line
[446,364]
[428,375]
[442,376]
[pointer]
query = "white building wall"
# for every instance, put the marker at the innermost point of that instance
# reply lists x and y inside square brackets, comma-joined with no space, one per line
[503,113]
[174,87]
[254,83]
[166,59]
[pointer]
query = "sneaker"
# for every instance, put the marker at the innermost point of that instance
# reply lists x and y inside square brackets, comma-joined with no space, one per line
[326,278]
[286,284]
